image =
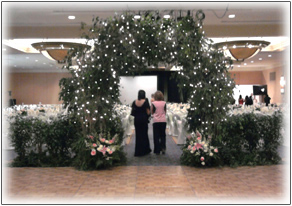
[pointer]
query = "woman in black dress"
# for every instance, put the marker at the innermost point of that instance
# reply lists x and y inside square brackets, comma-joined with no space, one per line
[141,113]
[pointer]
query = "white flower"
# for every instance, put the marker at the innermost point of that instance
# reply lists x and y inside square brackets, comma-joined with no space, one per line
[203,163]
[211,154]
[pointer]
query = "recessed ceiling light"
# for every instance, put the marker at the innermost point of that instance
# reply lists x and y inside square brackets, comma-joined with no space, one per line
[27,57]
[260,59]
[245,64]
[36,60]
[269,55]
[71,17]
[231,16]
[251,61]
[137,16]
[166,16]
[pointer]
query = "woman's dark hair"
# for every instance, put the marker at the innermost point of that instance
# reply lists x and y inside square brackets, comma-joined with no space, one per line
[141,94]
[240,97]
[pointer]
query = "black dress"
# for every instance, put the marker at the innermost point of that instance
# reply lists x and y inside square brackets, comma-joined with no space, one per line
[142,146]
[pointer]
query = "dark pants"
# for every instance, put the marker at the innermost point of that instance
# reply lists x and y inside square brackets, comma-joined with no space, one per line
[159,136]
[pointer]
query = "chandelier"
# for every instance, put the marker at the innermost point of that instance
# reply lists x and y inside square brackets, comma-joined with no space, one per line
[57,51]
[241,50]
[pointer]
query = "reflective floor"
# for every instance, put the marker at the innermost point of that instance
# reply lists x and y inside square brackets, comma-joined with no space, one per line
[152,179]
[145,184]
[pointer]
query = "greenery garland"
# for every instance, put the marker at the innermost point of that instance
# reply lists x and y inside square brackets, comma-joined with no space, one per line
[123,45]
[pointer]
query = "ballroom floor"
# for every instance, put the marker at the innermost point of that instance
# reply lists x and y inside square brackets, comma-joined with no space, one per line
[150,179]
[145,184]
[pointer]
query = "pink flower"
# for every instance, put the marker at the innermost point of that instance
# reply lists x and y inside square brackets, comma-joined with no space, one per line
[216,150]
[94,145]
[198,146]
[189,147]
[102,139]
[111,141]
[202,158]
[91,137]
[189,137]
[199,138]
[93,152]
[194,148]
[103,150]
[110,152]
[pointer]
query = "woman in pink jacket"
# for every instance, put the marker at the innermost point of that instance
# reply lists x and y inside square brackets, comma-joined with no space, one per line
[158,111]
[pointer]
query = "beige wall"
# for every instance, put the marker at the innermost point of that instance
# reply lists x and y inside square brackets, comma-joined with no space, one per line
[241,78]
[262,78]
[274,88]
[32,88]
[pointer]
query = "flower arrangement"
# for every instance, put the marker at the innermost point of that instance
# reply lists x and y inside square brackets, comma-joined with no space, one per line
[99,150]
[103,144]
[198,151]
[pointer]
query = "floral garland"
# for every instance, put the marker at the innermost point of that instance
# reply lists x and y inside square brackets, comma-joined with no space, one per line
[198,151]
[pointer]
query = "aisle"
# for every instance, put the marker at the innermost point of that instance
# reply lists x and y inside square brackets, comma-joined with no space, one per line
[171,157]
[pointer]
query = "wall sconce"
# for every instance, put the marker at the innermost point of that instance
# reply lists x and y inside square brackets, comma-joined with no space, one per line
[282,84]
[241,50]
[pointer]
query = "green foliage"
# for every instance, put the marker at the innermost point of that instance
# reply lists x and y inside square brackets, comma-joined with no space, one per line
[123,45]
[250,139]
[21,130]
[41,143]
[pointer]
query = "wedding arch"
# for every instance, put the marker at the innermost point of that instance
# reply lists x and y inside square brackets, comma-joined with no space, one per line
[123,45]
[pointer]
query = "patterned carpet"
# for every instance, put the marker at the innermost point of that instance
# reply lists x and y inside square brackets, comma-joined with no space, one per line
[171,157]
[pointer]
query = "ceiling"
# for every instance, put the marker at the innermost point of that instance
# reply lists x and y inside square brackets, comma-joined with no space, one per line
[46,20]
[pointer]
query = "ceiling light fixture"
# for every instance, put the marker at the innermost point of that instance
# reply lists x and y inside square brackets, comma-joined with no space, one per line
[166,16]
[231,16]
[57,51]
[71,17]
[137,16]
[241,50]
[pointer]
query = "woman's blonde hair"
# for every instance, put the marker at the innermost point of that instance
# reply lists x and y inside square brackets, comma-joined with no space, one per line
[158,96]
